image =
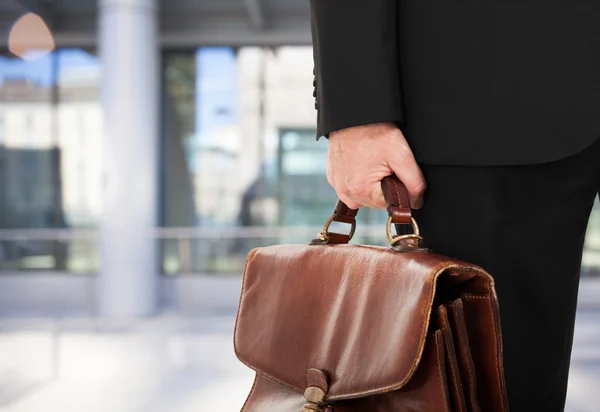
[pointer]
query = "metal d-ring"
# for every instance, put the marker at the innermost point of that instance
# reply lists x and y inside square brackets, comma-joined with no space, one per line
[395,239]
[324,235]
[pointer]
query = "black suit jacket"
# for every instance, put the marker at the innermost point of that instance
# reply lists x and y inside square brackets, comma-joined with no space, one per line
[469,82]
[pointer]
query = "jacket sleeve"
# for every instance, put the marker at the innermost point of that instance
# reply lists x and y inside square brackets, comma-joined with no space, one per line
[357,76]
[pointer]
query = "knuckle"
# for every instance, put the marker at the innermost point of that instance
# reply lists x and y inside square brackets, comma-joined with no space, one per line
[348,201]
[343,192]
[329,177]
[329,173]
[419,187]
[356,187]
[347,188]
[403,153]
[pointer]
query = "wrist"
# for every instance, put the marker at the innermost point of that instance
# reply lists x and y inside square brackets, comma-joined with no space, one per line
[370,130]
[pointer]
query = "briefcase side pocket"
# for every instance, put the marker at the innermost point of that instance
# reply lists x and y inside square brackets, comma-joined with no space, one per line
[429,388]
[465,360]
[483,329]
[455,385]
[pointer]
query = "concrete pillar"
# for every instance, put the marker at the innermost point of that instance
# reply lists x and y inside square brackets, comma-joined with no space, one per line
[129,52]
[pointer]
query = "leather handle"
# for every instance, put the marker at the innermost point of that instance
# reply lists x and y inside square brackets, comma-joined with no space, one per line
[397,204]
[397,200]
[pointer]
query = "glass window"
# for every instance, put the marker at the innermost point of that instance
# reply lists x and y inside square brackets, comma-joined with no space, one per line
[50,157]
[240,155]
[241,163]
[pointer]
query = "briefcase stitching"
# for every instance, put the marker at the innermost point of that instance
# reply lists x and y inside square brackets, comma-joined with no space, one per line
[465,295]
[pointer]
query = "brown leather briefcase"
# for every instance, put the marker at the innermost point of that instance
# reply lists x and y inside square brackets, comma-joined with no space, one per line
[334,327]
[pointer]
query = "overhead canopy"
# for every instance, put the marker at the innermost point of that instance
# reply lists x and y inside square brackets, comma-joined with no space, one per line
[183,23]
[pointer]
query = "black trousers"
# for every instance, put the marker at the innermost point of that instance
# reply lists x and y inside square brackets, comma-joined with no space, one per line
[526,226]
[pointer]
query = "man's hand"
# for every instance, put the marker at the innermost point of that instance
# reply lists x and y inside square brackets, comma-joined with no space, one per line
[360,157]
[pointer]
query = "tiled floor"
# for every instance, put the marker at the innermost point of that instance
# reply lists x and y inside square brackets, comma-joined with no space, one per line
[166,364]
[180,364]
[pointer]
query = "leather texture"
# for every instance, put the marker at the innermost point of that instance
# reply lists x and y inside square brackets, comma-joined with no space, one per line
[342,328]
[397,200]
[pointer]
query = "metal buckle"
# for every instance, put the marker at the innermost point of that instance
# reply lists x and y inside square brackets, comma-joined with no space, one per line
[324,235]
[395,239]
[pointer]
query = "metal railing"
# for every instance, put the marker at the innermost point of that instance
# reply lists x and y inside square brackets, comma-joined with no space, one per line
[185,250]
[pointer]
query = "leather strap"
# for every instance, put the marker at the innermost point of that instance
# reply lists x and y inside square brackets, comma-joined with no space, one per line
[396,200]
[343,213]
[397,204]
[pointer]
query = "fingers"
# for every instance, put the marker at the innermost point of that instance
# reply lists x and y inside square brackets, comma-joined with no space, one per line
[359,158]
[370,194]
[348,201]
[404,165]
[340,189]
[356,192]
[378,202]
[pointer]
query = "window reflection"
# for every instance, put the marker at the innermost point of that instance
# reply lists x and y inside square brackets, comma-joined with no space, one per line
[244,122]
[50,156]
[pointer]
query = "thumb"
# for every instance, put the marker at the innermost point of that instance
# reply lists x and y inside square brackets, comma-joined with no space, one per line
[408,171]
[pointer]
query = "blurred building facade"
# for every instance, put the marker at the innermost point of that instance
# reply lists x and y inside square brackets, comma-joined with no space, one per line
[161,139]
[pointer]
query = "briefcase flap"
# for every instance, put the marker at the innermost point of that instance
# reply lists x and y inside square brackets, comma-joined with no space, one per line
[358,313]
